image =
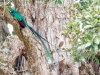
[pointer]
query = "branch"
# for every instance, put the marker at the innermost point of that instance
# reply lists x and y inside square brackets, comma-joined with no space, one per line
[16,29]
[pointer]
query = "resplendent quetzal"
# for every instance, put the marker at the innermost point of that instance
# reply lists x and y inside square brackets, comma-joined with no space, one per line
[22,22]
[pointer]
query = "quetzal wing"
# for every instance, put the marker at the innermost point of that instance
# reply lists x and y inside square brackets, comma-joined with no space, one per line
[18,17]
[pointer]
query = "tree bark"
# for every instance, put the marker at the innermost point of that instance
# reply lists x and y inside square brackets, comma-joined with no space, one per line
[4,32]
[49,22]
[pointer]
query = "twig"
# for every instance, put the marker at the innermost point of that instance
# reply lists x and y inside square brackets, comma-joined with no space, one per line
[4,8]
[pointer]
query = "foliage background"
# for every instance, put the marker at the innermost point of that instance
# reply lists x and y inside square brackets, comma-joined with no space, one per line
[83,29]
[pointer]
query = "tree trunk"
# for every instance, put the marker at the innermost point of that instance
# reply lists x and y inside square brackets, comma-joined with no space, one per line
[4,32]
[50,21]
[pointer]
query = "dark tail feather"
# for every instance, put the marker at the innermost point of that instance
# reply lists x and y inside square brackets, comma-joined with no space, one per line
[45,48]
[47,51]
[34,32]
[37,34]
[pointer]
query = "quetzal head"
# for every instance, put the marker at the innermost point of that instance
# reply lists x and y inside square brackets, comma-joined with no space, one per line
[12,11]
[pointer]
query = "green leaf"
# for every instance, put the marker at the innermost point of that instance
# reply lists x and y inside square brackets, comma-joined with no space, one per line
[99,21]
[81,58]
[95,49]
[58,2]
[68,50]
[98,37]
[46,0]
[85,45]
[97,41]
[89,36]
[88,26]
[98,46]
[96,59]
[79,63]
[77,30]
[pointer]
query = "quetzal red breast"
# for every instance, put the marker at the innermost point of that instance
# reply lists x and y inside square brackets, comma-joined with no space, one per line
[21,24]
